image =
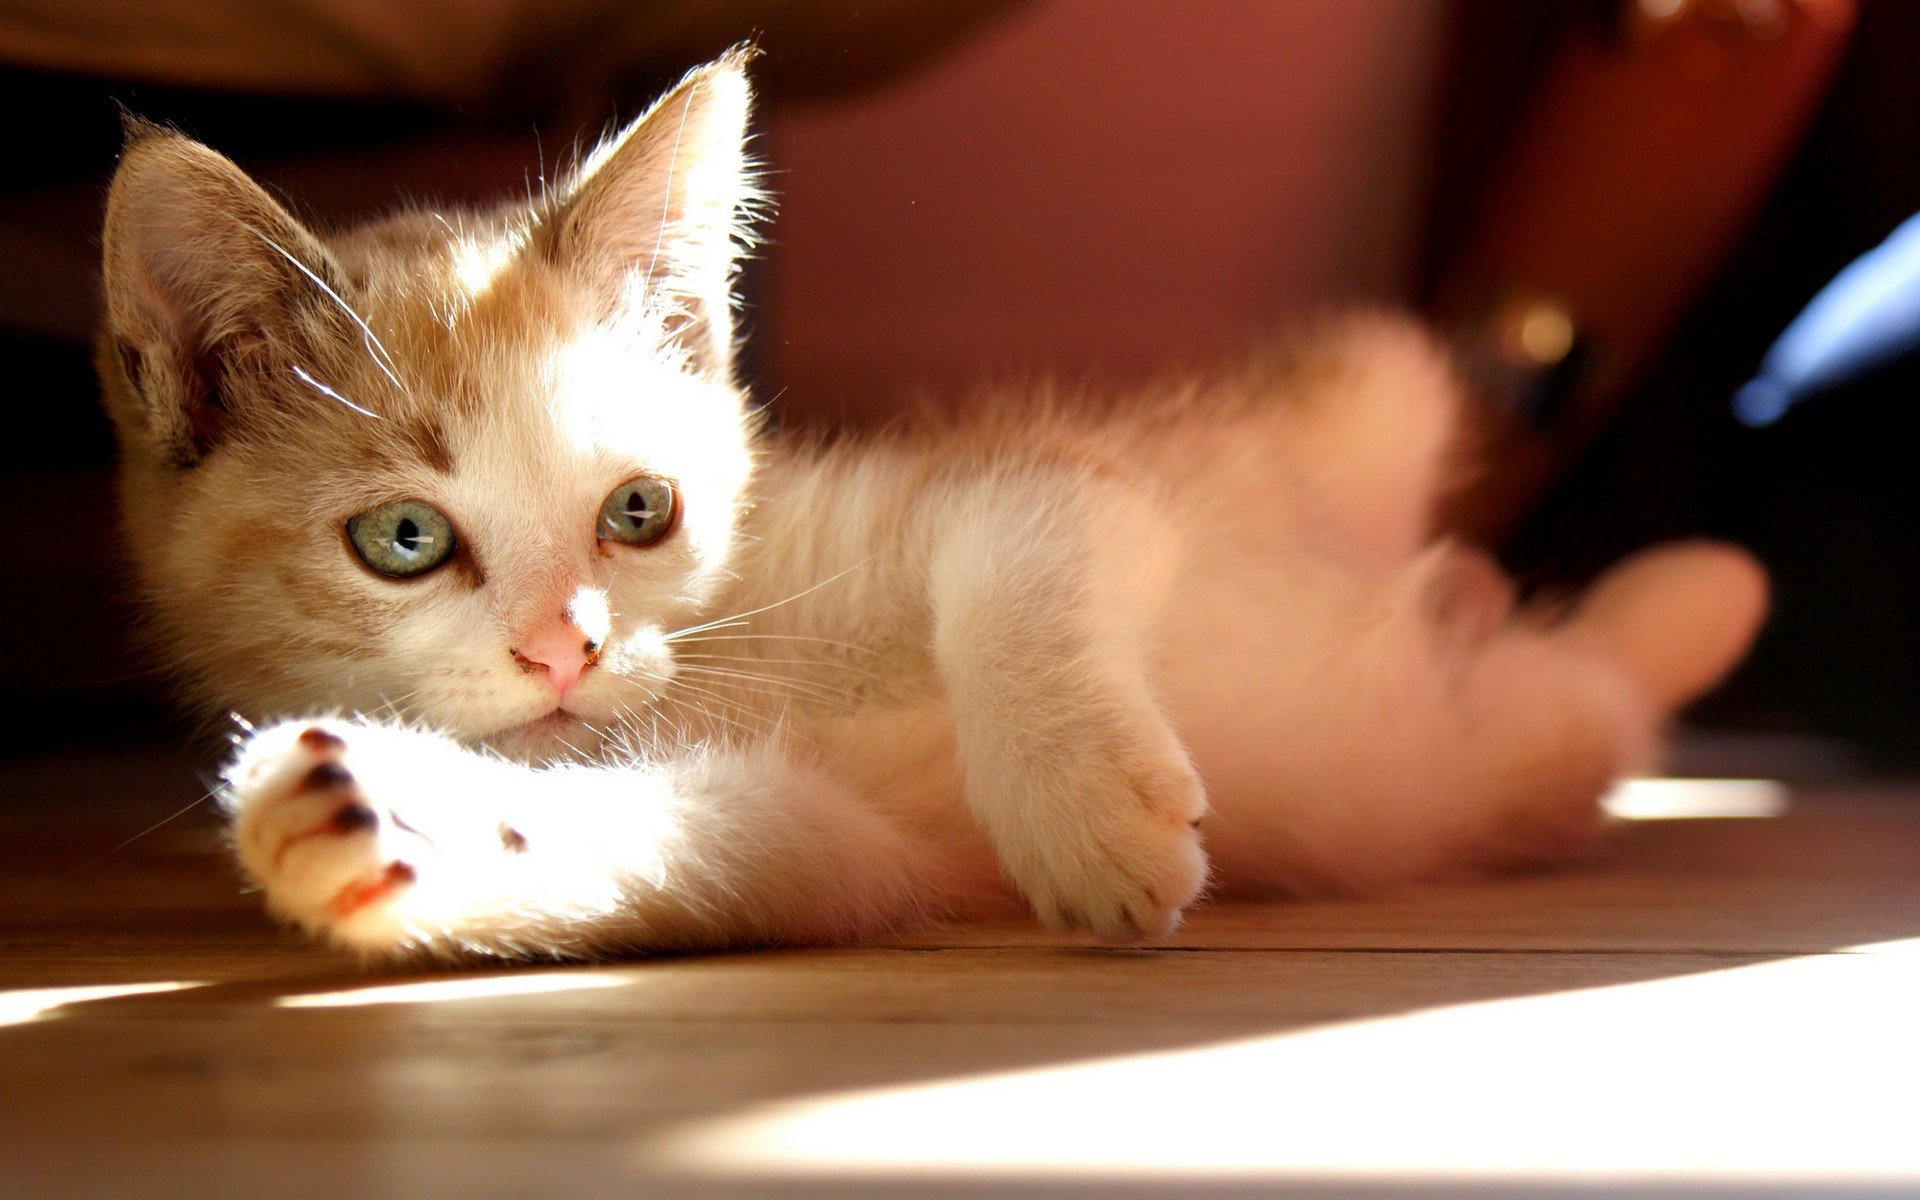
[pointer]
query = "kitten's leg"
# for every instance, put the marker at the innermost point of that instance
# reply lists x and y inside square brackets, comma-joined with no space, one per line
[388,840]
[1551,712]
[1449,731]
[1042,589]
[1677,617]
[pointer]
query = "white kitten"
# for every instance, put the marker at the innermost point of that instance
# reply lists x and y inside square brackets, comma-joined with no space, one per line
[484,477]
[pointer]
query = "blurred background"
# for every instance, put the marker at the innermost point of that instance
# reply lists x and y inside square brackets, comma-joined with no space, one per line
[1612,208]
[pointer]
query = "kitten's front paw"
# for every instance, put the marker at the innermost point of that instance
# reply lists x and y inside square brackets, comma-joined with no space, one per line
[315,827]
[1131,864]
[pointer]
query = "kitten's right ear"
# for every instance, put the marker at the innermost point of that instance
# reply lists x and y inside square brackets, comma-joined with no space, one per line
[202,270]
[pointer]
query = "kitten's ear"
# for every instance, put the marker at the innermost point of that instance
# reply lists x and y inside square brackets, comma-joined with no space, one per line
[655,219]
[200,282]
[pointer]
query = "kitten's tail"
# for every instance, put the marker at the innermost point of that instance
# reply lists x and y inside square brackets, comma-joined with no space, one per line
[1677,618]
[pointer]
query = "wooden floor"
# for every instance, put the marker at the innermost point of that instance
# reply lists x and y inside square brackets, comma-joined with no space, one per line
[1717,1007]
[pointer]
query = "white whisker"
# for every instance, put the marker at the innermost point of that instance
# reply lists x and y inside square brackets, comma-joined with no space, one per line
[167,820]
[721,719]
[328,392]
[715,625]
[666,194]
[784,637]
[813,691]
[375,349]
[726,620]
[825,664]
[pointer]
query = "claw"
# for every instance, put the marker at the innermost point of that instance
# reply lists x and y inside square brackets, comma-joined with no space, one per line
[326,777]
[354,818]
[356,896]
[320,741]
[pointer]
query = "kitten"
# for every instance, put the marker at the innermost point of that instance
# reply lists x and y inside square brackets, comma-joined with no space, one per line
[631,672]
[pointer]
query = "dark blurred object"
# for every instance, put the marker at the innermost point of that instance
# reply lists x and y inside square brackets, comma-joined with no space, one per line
[1651,140]
[548,60]
[355,103]
[1831,497]
[1826,495]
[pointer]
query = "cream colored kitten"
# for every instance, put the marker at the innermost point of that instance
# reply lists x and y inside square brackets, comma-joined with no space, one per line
[483,479]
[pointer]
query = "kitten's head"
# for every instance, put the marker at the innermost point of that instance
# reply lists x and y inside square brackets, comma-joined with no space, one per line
[470,465]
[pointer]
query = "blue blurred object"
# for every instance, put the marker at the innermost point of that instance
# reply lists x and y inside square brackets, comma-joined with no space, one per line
[1868,315]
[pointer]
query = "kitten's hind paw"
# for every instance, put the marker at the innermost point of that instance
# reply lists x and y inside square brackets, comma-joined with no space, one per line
[313,829]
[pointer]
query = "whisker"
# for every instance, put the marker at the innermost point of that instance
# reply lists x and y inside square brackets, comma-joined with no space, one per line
[788,637]
[825,664]
[716,623]
[631,732]
[656,716]
[324,390]
[735,715]
[666,193]
[726,722]
[767,727]
[775,690]
[393,704]
[375,348]
[125,677]
[98,859]
[822,692]
[660,714]
[715,695]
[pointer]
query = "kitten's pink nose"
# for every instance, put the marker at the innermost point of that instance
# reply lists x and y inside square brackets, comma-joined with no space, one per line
[560,651]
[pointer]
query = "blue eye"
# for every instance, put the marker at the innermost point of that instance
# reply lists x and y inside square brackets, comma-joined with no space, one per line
[402,539]
[639,512]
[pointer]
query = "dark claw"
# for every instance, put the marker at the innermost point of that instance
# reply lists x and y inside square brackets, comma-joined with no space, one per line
[326,777]
[320,741]
[354,818]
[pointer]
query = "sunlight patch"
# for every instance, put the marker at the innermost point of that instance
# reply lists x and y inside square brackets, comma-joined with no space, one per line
[32,1004]
[1695,799]
[1752,1073]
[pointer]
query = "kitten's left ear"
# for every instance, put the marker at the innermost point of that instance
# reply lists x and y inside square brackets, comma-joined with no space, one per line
[655,217]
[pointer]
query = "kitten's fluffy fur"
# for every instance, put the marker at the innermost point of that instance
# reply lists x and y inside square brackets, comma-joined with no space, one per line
[1035,656]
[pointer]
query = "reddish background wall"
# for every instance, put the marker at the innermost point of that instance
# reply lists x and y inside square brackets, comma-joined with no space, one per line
[1096,187]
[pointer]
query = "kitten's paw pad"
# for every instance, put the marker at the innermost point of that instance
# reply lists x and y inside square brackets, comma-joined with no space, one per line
[1130,873]
[327,853]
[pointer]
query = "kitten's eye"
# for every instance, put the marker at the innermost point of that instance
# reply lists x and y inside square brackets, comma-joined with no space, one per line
[402,539]
[639,512]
